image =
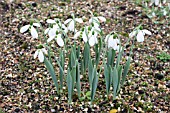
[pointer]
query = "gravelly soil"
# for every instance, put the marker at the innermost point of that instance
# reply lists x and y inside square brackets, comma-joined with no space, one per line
[26,86]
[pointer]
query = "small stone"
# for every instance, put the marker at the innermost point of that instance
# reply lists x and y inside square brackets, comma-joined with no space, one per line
[34,4]
[52,110]
[168,84]
[17,110]
[159,76]
[141,91]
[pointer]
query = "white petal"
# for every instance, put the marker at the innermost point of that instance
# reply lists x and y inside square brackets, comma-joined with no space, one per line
[56,27]
[77,34]
[65,28]
[92,41]
[79,20]
[41,56]
[50,21]
[46,31]
[60,41]
[90,20]
[71,26]
[52,33]
[112,43]
[140,36]
[96,25]
[147,31]
[97,28]
[67,21]
[84,36]
[34,32]
[102,19]
[156,2]
[24,28]
[36,54]
[36,24]
[44,51]
[132,34]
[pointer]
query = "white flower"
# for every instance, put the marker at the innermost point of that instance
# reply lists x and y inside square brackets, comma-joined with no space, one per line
[71,23]
[60,41]
[156,2]
[164,12]
[112,43]
[40,53]
[34,33]
[140,34]
[93,38]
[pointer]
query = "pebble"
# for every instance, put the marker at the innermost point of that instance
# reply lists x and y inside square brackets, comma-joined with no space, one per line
[159,76]
[52,110]
[168,84]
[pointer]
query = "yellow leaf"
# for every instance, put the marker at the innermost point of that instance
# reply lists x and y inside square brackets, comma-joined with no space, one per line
[113,111]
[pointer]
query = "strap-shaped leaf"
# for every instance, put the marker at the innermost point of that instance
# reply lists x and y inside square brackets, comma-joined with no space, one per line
[110,56]
[94,83]
[78,85]
[114,74]
[73,74]
[50,68]
[125,71]
[107,78]
[69,85]
[119,56]
[119,77]
[97,54]
[90,72]
[86,55]
[61,67]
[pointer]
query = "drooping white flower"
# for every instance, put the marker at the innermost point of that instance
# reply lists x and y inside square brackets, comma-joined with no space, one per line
[111,42]
[92,37]
[57,26]
[71,23]
[40,53]
[140,34]
[60,41]
[34,33]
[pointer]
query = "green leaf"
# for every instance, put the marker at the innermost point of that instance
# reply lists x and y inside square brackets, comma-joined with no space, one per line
[50,68]
[94,84]
[119,77]
[78,79]
[119,57]
[125,71]
[73,74]
[110,56]
[70,85]
[114,74]
[61,67]
[90,72]
[86,55]
[107,78]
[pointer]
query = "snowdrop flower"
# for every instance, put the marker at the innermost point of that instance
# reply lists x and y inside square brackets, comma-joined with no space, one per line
[34,33]
[71,23]
[88,35]
[56,27]
[93,37]
[156,2]
[111,42]
[96,23]
[58,38]
[140,34]
[40,53]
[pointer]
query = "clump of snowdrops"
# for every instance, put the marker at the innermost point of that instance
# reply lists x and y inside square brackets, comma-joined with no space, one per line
[157,8]
[83,53]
